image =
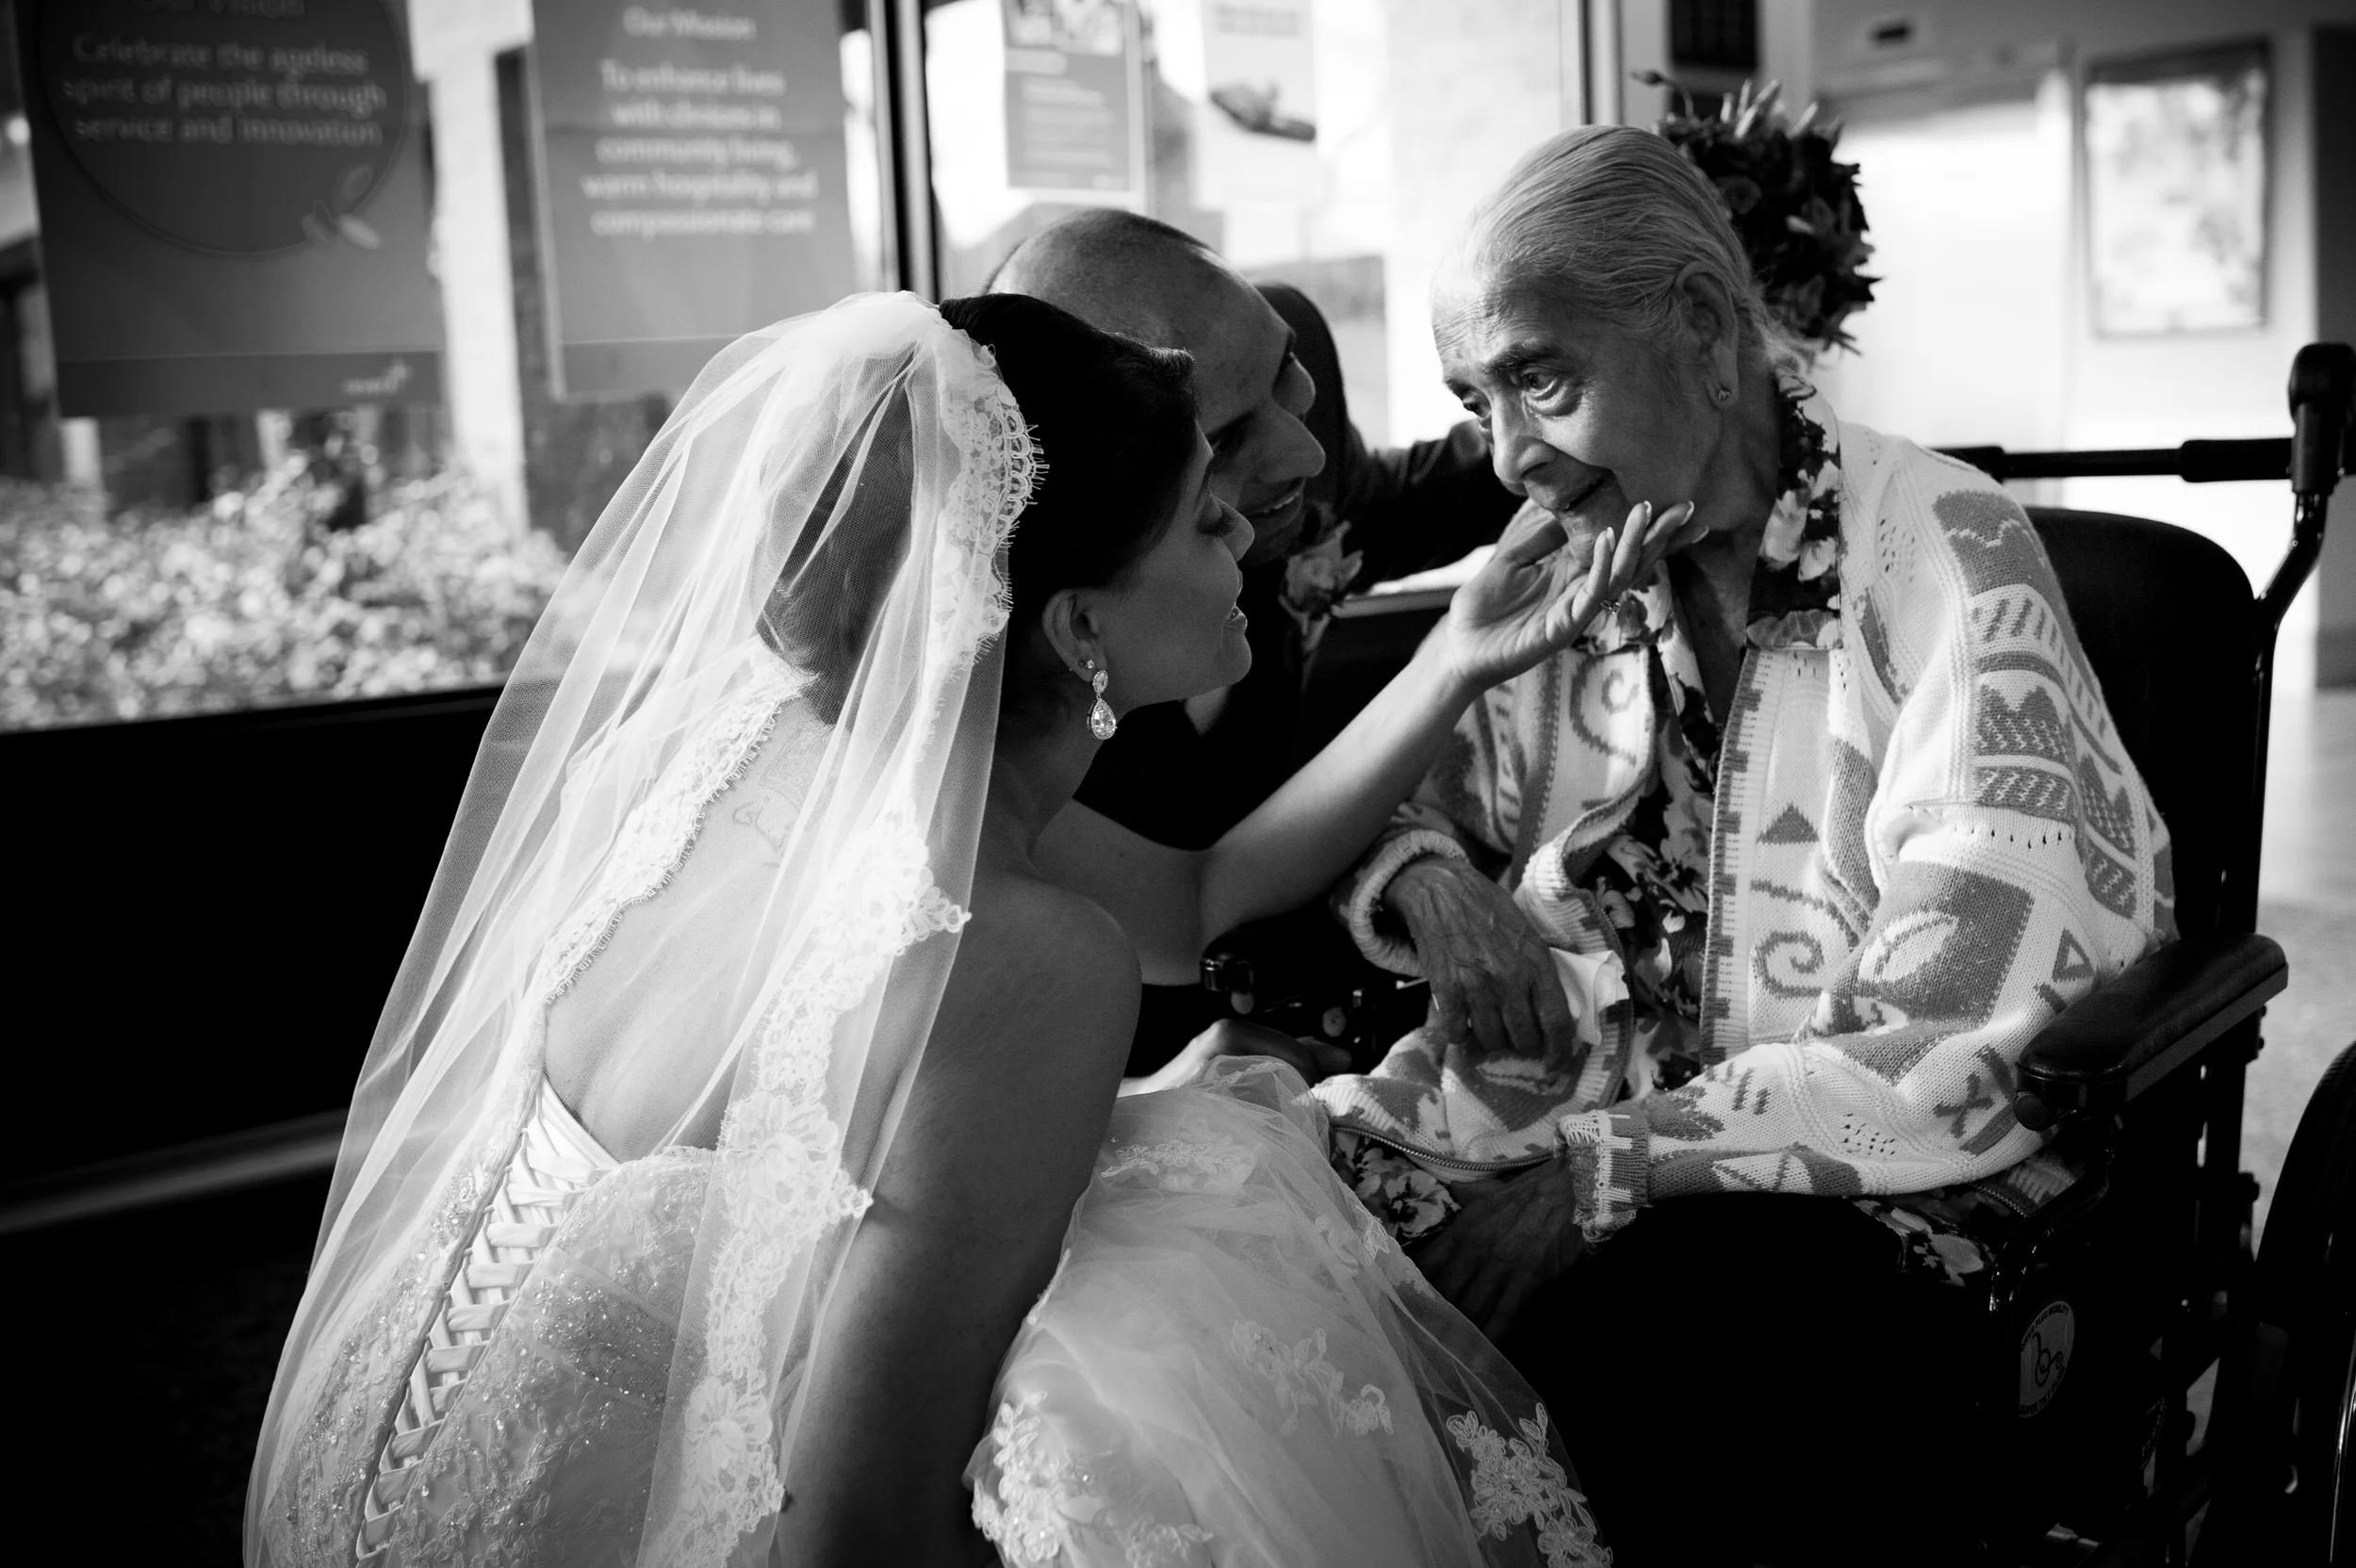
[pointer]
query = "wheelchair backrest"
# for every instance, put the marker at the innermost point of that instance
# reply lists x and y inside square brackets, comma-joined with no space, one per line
[2167,620]
[2168,623]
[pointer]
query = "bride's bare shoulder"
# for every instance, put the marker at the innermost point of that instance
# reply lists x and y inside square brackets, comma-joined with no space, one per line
[1039,966]
[1024,1062]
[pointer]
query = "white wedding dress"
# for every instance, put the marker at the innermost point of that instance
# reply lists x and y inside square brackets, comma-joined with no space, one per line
[699,844]
[1234,1364]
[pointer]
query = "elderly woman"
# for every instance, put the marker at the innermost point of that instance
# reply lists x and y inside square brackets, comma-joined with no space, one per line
[1834,803]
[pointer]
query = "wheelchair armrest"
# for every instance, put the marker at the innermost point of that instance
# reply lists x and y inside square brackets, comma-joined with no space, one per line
[1282,959]
[2126,1034]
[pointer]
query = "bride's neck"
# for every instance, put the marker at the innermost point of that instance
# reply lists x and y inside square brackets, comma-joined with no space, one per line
[1034,774]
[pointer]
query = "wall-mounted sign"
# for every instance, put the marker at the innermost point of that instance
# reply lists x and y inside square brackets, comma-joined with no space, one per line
[233,209]
[1075,98]
[1257,130]
[693,180]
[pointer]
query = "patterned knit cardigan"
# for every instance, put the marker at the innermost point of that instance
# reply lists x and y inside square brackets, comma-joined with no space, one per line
[1928,841]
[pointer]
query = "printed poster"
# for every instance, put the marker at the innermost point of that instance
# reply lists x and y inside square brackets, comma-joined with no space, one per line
[694,179]
[1075,98]
[1257,131]
[233,204]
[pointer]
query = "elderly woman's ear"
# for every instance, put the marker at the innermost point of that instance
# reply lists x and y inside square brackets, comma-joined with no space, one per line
[1713,332]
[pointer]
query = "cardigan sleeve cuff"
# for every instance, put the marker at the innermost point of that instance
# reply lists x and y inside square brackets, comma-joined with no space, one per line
[1362,903]
[1610,1177]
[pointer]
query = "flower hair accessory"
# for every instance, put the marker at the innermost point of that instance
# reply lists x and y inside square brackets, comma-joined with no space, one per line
[1793,206]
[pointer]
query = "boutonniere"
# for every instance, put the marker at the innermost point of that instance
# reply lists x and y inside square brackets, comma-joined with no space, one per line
[1317,577]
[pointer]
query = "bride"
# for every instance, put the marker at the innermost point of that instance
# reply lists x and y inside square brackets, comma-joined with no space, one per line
[737,1174]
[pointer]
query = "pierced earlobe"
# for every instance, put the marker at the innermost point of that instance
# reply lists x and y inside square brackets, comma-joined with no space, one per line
[1722,395]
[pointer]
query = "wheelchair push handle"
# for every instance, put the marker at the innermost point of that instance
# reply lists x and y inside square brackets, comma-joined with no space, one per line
[2322,394]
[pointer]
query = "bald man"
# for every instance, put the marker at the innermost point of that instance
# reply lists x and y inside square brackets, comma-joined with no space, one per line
[1328,515]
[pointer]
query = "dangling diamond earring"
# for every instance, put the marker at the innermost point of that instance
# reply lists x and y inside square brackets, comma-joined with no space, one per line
[1100,720]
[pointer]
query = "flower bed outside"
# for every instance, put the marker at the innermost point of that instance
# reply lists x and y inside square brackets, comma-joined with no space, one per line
[255,600]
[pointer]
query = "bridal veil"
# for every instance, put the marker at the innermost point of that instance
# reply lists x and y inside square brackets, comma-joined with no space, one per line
[767,691]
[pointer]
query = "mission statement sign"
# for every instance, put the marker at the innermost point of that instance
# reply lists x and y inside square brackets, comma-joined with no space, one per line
[233,209]
[694,179]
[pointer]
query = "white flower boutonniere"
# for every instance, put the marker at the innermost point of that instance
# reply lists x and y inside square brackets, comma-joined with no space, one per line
[1315,578]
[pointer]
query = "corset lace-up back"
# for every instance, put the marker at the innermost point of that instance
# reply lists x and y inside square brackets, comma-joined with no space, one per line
[554,1162]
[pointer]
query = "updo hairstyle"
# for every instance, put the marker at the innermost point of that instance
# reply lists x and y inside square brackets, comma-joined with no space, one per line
[1602,220]
[1115,425]
[1113,422]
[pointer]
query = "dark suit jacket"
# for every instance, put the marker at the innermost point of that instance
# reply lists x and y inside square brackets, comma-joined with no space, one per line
[1406,511]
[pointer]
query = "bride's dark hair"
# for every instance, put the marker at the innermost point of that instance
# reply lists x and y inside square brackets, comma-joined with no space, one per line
[1114,421]
[1114,424]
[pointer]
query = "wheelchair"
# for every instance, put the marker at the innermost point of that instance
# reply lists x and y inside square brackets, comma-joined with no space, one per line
[2109,1310]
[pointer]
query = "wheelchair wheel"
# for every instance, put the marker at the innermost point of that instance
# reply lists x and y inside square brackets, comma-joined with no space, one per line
[2294,1500]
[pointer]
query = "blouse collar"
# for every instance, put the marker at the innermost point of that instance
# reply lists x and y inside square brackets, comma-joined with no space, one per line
[1795,588]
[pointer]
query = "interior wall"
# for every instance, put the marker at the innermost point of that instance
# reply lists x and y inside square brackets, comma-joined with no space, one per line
[1786,49]
[2335,158]
[2011,352]
[1643,46]
[1965,342]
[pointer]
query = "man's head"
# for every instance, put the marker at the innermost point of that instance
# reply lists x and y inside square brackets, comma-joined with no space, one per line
[1129,274]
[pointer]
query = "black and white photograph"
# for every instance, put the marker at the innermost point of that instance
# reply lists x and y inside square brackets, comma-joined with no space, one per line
[1180,783]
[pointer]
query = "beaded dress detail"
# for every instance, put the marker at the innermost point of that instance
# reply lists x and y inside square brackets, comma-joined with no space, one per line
[724,809]
[524,1211]
[555,1162]
[1235,1364]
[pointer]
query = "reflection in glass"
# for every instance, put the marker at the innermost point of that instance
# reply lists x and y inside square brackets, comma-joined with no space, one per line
[203,565]
[1263,128]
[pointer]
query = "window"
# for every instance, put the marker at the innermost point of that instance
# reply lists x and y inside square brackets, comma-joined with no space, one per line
[157,565]
[1266,127]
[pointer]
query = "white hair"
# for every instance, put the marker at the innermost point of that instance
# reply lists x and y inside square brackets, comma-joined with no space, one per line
[1605,218]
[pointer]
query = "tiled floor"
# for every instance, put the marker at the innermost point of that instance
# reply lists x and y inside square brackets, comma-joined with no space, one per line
[2308,891]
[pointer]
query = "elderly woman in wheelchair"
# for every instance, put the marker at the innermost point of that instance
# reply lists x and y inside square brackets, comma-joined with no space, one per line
[1760,889]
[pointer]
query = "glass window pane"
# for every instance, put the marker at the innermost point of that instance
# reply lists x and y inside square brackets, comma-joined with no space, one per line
[1282,163]
[152,565]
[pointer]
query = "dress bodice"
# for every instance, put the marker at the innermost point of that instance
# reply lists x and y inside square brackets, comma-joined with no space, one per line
[554,1161]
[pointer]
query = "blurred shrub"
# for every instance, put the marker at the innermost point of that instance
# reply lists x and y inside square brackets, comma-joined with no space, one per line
[256,600]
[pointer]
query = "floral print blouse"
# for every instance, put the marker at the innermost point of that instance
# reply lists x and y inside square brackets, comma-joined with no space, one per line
[1653,882]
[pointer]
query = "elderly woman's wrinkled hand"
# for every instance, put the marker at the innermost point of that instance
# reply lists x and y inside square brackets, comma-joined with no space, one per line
[1494,982]
[1542,587]
[1504,1244]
